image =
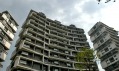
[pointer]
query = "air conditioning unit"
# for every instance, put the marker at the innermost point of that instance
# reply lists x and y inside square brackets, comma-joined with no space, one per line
[24,53]
[68,58]
[66,52]
[68,64]
[56,69]
[56,62]
[55,49]
[25,45]
[23,62]
[28,39]
[55,55]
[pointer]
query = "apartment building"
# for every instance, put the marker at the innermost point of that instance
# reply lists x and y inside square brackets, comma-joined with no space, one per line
[47,45]
[106,42]
[8,28]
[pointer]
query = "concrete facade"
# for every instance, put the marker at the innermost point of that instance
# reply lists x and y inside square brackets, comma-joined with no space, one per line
[47,45]
[106,42]
[8,27]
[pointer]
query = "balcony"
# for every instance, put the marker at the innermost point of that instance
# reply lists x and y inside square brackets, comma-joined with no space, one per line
[13,26]
[107,49]
[96,35]
[6,44]
[111,61]
[10,34]
[100,43]
[26,64]
[3,56]
[97,25]
[5,17]
[109,54]
[31,56]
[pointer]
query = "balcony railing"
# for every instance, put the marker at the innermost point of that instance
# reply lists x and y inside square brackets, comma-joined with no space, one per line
[3,55]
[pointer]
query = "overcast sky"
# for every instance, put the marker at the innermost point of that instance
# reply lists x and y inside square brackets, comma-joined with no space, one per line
[82,13]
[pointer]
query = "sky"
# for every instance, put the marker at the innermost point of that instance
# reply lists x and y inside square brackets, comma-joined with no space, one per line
[82,13]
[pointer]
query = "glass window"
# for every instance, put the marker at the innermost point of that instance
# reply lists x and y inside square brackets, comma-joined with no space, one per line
[97,33]
[101,41]
[36,66]
[5,29]
[111,59]
[94,27]
[106,49]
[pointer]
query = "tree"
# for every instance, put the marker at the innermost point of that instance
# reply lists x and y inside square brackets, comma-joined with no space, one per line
[85,59]
[106,1]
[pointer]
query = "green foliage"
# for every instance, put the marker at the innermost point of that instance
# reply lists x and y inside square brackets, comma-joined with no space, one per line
[84,58]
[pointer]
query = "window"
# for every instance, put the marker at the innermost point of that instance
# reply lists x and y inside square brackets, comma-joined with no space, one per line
[110,47]
[97,33]
[1,32]
[116,58]
[114,55]
[111,59]
[5,29]
[101,41]
[107,61]
[106,49]
[36,66]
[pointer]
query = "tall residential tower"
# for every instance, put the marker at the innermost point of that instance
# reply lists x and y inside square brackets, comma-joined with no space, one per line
[106,42]
[47,45]
[8,27]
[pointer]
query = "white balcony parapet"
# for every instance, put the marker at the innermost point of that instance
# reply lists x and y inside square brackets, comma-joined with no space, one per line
[3,56]
[5,17]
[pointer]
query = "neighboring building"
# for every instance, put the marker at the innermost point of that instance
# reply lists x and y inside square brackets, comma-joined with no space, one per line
[106,42]
[47,45]
[8,27]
